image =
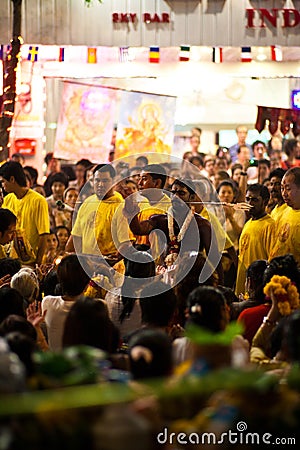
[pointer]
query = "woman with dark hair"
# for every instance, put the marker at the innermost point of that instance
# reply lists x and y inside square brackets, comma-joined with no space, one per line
[122,303]
[73,280]
[88,323]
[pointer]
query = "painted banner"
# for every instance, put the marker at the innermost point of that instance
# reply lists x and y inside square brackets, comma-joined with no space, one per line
[146,124]
[85,124]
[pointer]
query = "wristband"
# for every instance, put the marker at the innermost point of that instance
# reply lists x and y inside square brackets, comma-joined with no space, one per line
[244,174]
[269,321]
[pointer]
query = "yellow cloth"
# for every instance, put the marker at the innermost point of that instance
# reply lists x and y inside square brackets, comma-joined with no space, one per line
[32,220]
[224,242]
[2,252]
[148,210]
[99,223]
[277,212]
[256,242]
[288,234]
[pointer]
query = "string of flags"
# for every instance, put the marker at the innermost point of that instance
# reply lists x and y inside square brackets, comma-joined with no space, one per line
[154,54]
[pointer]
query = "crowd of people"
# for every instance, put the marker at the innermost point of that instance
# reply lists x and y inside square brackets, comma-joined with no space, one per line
[129,259]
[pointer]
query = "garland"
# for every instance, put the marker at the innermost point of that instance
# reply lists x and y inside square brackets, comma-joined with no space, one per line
[285,292]
[174,240]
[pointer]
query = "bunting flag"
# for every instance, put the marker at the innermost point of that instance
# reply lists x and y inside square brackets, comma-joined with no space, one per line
[217,55]
[33,53]
[246,54]
[92,55]
[154,55]
[184,54]
[276,53]
[123,54]
[61,54]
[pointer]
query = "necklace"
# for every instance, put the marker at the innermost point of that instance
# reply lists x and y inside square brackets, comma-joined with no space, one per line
[174,240]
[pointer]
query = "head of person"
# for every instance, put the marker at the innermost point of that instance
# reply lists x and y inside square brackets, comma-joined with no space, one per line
[26,283]
[291,337]
[70,196]
[275,184]
[72,277]
[241,132]
[81,167]
[236,170]
[227,191]
[12,176]
[51,241]
[263,168]
[7,226]
[183,194]
[58,183]
[14,323]
[39,188]
[207,308]
[291,147]
[62,234]
[152,176]
[53,164]
[9,266]
[158,303]
[223,152]
[259,149]
[210,166]
[257,196]
[127,187]
[18,157]
[141,161]
[254,279]
[197,161]
[33,174]
[222,163]
[195,142]
[134,173]
[88,323]
[283,266]
[11,302]
[290,187]
[243,153]
[103,181]
[150,354]
[196,131]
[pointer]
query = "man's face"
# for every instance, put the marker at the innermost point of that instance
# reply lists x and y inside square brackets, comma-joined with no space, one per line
[103,185]
[258,151]
[290,191]
[244,154]
[146,181]
[8,185]
[275,188]
[8,234]
[257,204]
[180,197]
[58,189]
[241,134]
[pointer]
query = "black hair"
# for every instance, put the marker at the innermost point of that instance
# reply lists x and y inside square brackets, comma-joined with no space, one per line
[157,309]
[157,172]
[88,323]
[139,267]
[278,173]
[256,273]
[142,158]
[33,173]
[23,346]
[48,157]
[105,168]
[229,183]
[85,163]
[289,146]
[206,308]
[71,275]
[9,266]
[150,354]
[7,218]
[292,337]
[59,177]
[285,265]
[261,190]
[11,302]
[185,183]
[15,322]
[260,162]
[13,169]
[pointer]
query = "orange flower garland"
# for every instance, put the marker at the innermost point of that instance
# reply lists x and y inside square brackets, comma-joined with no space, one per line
[285,292]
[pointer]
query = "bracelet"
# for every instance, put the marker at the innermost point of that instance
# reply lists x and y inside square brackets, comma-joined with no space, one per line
[269,321]
[244,174]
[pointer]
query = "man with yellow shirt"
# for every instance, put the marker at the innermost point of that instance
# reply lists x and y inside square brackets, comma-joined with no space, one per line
[257,238]
[31,210]
[275,193]
[100,227]
[151,183]
[288,225]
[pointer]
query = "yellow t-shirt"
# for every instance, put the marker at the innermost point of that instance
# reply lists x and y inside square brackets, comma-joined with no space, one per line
[256,242]
[224,242]
[32,221]
[148,210]
[2,252]
[101,225]
[287,234]
[277,212]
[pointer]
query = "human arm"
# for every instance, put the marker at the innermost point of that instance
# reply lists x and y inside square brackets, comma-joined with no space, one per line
[131,212]
[74,242]
[41,248]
